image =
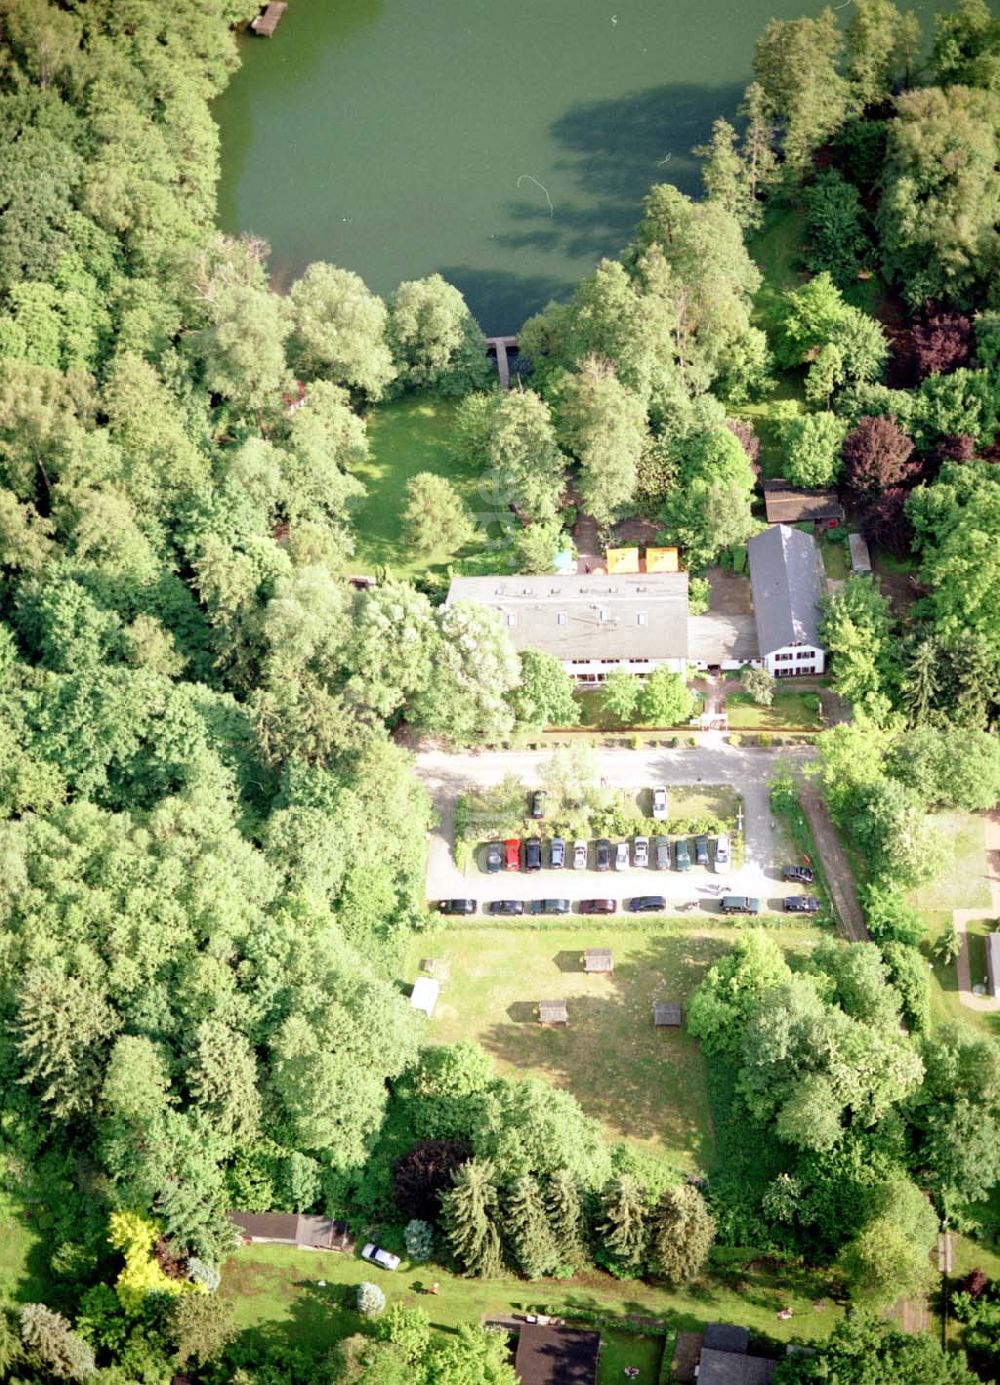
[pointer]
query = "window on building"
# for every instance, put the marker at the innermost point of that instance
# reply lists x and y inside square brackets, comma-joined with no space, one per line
[510,618]
[602,615]
[783,658]
[641,618]
[560,617]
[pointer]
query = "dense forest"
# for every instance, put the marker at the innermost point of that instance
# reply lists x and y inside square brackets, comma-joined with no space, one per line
[212,842]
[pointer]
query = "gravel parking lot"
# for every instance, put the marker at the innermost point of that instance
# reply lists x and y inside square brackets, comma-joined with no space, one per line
[748,771]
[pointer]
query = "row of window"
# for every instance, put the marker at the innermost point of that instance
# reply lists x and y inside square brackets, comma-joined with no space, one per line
[801,655]
[603,616]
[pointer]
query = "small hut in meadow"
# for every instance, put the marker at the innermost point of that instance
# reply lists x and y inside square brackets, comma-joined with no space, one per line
[598,959]
[552,1012]
[667,1015]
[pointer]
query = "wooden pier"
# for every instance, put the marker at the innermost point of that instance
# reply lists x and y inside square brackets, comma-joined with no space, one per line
[500,346]
[267,21]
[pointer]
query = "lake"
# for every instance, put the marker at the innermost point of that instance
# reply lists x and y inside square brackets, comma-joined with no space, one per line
[507,146]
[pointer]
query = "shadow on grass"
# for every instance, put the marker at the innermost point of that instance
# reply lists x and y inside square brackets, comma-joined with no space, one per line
[569,961]
[523,1012]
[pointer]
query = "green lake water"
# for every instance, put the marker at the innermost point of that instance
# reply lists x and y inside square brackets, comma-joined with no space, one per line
[506,145]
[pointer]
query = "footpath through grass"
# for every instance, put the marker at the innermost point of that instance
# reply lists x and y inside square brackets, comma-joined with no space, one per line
[644,1085]
[406,437]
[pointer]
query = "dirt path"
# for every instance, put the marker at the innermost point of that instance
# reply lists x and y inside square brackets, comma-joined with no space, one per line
[839,876]
[962,917]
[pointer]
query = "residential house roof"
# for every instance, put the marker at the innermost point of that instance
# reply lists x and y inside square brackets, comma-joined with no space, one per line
[587,616]
[732,1368]
[556,1355]
[786,504]
[598,959]
[725,1336]
[718,639]
[785,581]
[292,1228]
[667,1014]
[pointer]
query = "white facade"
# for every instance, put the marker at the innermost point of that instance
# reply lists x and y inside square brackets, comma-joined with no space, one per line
[795,659]
[591,673]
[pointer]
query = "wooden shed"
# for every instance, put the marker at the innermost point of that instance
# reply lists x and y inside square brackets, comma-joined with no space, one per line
[667,1015]
[267,21]
[861,559]
[598,959]
[552,1012]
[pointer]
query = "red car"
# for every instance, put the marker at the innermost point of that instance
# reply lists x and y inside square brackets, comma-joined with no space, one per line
[512,854]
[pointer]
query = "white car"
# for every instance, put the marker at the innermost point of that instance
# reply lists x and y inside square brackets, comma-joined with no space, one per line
[660,803]
[621,856]
[640,852]
[383,1258]
[579,855]
[721,852]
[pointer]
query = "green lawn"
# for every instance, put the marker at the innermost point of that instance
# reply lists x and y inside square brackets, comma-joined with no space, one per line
[789,710]
[644,1085]
[964,883]
[836,559]
[776,249]
[276,1291]
[405,437]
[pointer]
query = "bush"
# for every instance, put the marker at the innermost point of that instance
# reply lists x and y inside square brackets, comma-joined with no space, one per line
[699,592]
[419,1239]
[371,1299]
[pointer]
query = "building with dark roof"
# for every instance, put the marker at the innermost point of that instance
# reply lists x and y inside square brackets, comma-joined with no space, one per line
[861,558]
[993,963]
[592,623]
[787,504]
[556,1355]
[724,1358]
[667,1014]
[787,586]
[292,1229]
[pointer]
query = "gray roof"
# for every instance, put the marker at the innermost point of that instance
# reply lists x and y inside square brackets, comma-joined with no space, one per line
[732,1368]
[642,615]
[725,1336]
[785,580]
[716,638]
[993,962]
[861,559]
[598,959]
[552,1012]
[667,1013]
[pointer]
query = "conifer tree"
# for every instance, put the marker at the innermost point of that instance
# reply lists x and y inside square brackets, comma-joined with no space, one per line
[681,1233]
[528,1230]
[468,1215]
[624,1230]
[565,1214]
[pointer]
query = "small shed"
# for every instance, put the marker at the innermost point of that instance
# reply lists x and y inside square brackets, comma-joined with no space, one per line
[667,1014]
[861,559]
[552,1012]
[622,559]
[425,994]
[787,504]
[662,560]
[598,959]
[267,21]
[993,963]
[724,1336]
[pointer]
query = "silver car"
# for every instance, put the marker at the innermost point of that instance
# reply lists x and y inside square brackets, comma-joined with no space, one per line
[621,856]
[557,853]
[383,1258]
[640,852]
[721,852]
[579,855]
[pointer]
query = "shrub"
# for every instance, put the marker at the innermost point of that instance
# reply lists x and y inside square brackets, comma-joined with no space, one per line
[419,1239]
[371,1299]
[203,1274]
[735,738]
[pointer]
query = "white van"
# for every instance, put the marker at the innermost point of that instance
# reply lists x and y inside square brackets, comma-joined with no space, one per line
[721,853]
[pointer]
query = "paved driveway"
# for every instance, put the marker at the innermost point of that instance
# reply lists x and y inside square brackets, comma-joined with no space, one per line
[746,770]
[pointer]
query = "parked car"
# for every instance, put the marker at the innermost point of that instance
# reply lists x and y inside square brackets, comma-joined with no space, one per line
[682,856]
[494,857]
[579,855]
[660,803]
[701,851]
[457,906]
[801,904]
[507,907]
[537,803]
[721,852]
[549,906]
[802,875]
[621,856]
[648,904]
[383,1258]
[512,854]
[661,848]
[557,853]
[533,853]
[603,854]
[598,906]
[740,904]
[640,851]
